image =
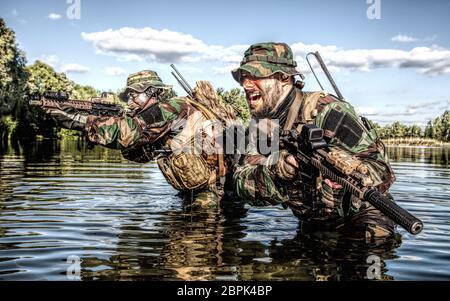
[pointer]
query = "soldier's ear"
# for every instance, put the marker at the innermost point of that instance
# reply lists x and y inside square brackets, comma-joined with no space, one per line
[286,79]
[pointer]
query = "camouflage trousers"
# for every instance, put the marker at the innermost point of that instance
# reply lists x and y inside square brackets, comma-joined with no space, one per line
[205,198]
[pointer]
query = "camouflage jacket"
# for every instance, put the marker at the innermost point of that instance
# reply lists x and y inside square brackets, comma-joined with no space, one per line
[146,127]
[179,133]
[258,185]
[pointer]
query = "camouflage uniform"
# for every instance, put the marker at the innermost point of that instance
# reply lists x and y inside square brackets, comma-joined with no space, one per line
[164,131]
[258,183]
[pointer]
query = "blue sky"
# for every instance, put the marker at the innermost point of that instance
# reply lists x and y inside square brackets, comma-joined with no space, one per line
[393,68]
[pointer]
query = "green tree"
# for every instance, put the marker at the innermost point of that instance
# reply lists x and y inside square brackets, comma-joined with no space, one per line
[429,131]
[84,92]
[398,130]
[13,76]
[446,125]
[413,131]
[236,98]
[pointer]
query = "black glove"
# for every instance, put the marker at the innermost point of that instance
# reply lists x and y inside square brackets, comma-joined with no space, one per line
[68,117]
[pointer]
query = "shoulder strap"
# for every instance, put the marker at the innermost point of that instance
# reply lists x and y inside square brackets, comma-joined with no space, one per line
[293,111]
[305,103]
[309,108]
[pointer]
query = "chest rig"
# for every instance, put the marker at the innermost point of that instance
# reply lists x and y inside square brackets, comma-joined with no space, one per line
[302,193]
[195,171]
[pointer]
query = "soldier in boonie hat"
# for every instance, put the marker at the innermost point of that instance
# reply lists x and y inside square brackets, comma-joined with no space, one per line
[143,89]
[266,59]
[267,74]
[142,80]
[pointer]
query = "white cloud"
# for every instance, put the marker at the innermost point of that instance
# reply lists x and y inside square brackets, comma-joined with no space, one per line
[51,60]
[224,70]
[54,16]
[60,66]
[74,68]
[400,38]
[366,111]
[137,44]
[423,105]
[160,45]
[190,70]
[130,58]
[430,38]
[427,60]
[115,71]
[417,113]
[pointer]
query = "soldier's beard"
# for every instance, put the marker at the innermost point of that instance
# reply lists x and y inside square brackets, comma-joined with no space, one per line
[264,98]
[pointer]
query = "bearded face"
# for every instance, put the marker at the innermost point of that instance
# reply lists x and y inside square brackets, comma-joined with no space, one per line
[262,94]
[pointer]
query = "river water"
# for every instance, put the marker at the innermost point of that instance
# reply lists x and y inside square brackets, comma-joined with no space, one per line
[72,213]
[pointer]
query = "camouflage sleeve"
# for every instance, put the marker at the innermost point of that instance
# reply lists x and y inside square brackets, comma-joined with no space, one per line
[123,132]
[114,132]
[253,180]
[345,130]
[159,119]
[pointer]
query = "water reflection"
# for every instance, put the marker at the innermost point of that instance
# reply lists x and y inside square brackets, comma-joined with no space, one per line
[125,222]
[429,155]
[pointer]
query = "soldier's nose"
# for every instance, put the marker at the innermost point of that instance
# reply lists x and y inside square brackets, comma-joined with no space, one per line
[248,84]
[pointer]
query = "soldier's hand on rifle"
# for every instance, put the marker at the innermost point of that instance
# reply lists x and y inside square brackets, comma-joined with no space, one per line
[68,117]
[286,167]
[331,196]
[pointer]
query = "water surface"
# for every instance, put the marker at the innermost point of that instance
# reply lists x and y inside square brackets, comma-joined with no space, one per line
[60,202]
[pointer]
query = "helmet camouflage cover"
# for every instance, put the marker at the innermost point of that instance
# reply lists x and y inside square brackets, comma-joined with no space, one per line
[142,80]
[266,59]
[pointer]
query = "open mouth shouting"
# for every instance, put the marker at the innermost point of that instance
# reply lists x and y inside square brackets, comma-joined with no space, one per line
[254,98]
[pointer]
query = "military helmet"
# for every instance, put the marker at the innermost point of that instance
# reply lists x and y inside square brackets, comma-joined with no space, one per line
[266,59]
[142,80]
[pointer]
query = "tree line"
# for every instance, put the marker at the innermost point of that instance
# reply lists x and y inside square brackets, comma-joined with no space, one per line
[437,129]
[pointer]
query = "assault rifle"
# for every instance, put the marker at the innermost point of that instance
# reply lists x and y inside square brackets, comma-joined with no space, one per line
[312,152]
[99,106]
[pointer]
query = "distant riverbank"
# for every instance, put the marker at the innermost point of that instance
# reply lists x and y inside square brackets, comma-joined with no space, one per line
[415,142]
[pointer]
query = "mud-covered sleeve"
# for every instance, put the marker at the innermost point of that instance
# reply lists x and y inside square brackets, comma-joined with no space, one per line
[254,182]
[160,118]
[344,129]
[114,132]
[126,131]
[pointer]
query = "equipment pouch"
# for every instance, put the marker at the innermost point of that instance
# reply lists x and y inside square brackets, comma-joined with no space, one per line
[185,171]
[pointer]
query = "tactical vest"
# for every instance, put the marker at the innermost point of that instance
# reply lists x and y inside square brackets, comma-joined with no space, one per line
[304,110]
[191,171]
[302,191]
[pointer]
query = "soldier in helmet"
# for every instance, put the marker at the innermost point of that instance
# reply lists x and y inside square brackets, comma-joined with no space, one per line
[161,127]
[267,74]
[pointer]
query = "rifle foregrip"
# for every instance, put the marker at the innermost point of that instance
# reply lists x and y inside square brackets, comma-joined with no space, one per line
[399,215]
